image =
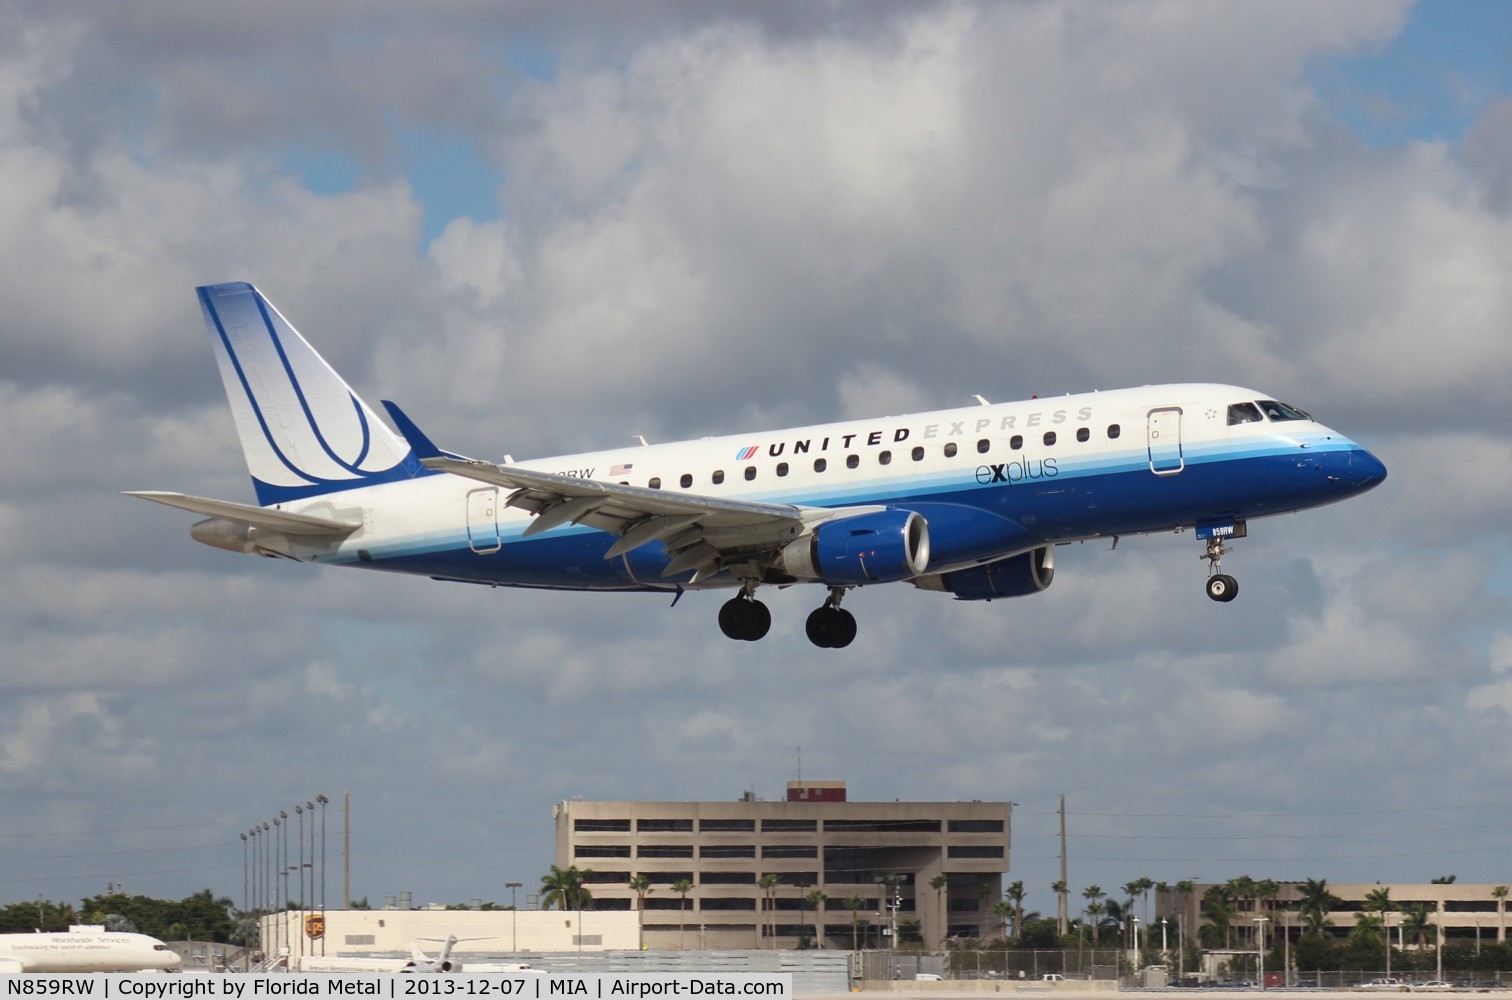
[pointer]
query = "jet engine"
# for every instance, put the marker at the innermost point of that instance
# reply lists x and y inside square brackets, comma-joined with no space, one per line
[1028,573]
[879,547]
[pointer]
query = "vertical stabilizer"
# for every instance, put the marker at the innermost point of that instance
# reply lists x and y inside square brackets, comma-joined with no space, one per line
[303,430]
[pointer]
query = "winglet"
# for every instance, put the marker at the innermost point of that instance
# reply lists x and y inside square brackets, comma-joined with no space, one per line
[422,446]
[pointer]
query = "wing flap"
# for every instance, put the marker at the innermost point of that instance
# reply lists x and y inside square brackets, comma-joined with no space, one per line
[257,517]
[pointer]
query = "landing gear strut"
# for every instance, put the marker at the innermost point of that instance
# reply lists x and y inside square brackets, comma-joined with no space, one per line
[830,626]
[1220,586]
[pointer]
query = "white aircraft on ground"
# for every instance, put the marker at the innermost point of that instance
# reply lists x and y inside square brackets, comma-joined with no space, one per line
[85,948]
[418,963]
[969,502]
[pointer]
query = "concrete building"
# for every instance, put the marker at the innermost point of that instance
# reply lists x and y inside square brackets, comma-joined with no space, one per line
[814,840]
[1466,911]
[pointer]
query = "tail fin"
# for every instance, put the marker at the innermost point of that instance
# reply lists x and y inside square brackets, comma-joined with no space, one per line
[303,430]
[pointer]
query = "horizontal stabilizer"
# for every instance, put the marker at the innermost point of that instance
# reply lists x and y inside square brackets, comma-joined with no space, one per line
[422,446]
[257,517]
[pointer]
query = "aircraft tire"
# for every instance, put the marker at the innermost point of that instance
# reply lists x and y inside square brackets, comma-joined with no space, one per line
[744,619]
[830,628]
[1222,588]
[847,630]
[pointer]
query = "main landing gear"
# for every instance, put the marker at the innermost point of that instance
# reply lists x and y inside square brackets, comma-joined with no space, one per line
[1220,586]
[828,627]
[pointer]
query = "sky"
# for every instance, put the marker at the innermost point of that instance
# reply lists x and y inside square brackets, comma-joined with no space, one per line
[547,227]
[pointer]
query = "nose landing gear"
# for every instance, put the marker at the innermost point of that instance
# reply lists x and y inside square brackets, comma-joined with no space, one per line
[1220,586]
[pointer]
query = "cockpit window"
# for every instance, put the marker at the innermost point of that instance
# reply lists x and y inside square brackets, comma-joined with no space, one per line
[1280,411]
[1244,413]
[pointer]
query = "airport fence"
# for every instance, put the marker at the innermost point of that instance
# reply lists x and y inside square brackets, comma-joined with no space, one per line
[1011,964]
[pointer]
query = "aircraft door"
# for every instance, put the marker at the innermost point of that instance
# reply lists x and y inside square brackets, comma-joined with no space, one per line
[483,520]
[1164,429]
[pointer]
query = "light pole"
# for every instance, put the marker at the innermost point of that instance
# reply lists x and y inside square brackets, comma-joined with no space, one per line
[1134,955]
[323,801]
[514,916]
[1163,947]
[1260,926]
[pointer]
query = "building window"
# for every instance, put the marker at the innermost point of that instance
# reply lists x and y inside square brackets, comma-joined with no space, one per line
[727,851]
[882,825]
[655,903]
[973,852]
[790,851]
[789,825]
[975,826]
[602,850]
[736,903]
[664,825]
[727,825]
[727,878]
[668,878]
[605,878]
[601,825]
[608,903]
[666,850]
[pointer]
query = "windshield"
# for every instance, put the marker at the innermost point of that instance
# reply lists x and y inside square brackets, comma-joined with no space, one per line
[1280,411]
[1244,413]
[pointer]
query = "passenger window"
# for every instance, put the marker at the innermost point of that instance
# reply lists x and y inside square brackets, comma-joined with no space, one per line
[1243,413]
[983,446]
[851,461]
[686,481]
[1016,442]
[718,476]
[1113,431]
[655,482]
[1082,434]
[884,458]
[918,454]
[820,465]
[750,473]
[950,450]
[782,469]
[1049,438]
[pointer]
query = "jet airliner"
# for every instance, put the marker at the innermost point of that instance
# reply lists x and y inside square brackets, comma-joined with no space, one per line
[968,502]
[86,948]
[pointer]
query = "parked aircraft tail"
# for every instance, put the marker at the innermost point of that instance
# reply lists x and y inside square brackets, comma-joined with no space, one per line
[303,430]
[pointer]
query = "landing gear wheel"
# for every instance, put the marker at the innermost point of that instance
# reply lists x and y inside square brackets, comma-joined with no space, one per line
[831,628]
[1222,587]
[745,619]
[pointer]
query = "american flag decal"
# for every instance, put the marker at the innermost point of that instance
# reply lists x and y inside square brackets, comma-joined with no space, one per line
[620,470]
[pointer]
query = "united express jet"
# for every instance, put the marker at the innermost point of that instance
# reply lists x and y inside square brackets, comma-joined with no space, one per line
[969,502]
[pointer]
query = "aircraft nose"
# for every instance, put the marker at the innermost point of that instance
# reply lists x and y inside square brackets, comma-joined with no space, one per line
[1358,471]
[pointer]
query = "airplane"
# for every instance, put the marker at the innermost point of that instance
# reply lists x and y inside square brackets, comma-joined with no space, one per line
[969,502]
[419,963]
[85,948]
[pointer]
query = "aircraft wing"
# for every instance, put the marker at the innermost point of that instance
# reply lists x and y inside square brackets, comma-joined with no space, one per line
[257,517]
[699,531]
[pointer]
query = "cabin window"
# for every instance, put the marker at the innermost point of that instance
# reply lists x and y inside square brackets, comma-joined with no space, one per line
[950,450]
[782,468]
[1082,434]
[718,476]
[1244,413]
[820,465]
[918,454]
[983,446]
[750,472]
[655,483]
[1280,411]
[1016,442]
[1049,438]
[1113,431]
[884,458]
[686,481]
[852,461]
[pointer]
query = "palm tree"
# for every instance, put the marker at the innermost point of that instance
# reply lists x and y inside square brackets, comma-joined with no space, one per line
[1186,887]
[1417,925]
[854,903]
[682,887]
[816,898]
[1015,895]
[1500,892]
[641,886]
[1315,904]
[1380,900]
[1093,894]
[938,884]
[769,883]
[1062,911]
[1002,909]
[1219,908]
[564,888]
[1131,889]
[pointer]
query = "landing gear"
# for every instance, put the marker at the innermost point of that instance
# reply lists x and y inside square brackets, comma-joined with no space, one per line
[744,617]
[830,626]
[1220,586]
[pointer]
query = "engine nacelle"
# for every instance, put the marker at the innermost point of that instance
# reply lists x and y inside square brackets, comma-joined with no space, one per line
[882,547]
[1024,574]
